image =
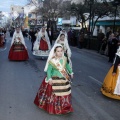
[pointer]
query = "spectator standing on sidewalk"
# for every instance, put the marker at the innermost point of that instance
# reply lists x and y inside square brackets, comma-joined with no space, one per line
[81,39]
[108,33]
[70,36]
[50,35]
[103,46]
[112,47]
[100,37]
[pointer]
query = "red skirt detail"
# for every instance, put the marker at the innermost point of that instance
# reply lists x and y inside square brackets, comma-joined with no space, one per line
[51,103]
[18,52]
[43,45]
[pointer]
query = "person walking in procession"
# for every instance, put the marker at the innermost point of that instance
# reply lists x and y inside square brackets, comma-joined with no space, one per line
[18,50]
[111,84]
[62,39]
[54,94]
[42,45]
[100,38]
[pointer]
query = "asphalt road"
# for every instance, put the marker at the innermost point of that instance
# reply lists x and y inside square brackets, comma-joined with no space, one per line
[19,83]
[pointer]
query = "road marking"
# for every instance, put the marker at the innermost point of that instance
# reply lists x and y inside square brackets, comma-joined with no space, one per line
[100,83]
[8,40]
[3,49]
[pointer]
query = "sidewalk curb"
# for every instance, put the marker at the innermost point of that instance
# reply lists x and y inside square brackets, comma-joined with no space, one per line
[93,52]
[3,49]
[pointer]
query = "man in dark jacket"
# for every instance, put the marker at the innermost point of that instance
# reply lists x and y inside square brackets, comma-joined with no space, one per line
[33,38]
[50,35]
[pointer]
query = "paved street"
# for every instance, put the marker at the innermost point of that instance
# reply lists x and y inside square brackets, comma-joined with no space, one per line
[19,83]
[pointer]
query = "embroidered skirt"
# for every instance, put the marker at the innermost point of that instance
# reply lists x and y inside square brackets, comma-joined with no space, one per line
[43,45]
[18,52]
[50,99]
[109,85]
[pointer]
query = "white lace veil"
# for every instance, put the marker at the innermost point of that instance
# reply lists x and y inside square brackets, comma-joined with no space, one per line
[39,38]
[66,45]
[51,55]
[21,36]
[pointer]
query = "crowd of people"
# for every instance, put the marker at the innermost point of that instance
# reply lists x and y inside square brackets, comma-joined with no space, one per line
[108,43]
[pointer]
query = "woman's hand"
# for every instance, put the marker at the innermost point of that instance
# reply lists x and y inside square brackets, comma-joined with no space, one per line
[113,73]
[19,39]
[44,40]
[50,82]
[72,76]
[58,41]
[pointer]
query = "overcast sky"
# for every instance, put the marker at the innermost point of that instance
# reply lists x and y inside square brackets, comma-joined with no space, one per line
[5,4]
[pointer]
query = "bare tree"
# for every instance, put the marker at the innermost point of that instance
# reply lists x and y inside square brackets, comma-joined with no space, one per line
[95,9]
[51,8]
[99,10]
[34,2]
[78,10]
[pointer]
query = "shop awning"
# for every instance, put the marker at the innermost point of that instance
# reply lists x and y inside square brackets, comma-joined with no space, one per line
[105,23]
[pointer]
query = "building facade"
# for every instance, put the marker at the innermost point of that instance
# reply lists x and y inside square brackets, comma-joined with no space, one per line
[105,22]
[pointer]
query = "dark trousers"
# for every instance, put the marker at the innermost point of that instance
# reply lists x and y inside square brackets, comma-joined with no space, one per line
[99,45]
[32,45]
[111,52]
[81,45]
[50,40]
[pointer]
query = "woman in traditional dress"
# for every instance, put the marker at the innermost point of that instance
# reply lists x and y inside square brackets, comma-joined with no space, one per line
[42,44]
[18,50]
[62,39]
[54,95]
[111,84]
[64,32]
